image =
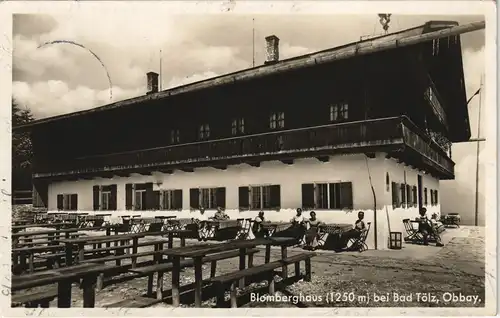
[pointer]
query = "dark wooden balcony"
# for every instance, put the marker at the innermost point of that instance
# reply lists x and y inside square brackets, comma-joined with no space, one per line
[397,136]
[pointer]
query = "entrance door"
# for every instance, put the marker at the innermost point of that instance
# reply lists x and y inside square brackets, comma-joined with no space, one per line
[419,185]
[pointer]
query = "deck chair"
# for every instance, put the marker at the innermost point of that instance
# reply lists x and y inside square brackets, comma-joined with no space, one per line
[413,235]
[359,243]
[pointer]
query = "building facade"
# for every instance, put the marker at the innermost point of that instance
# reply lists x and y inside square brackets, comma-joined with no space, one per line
[333,131]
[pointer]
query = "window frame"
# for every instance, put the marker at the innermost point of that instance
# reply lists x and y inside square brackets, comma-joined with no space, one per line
[339,112]
[101,205]
[204,131]
[238,126]
[277,120]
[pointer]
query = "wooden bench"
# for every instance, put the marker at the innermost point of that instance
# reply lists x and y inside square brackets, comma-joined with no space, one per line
[64,278]
[33,300]
[168,266]
[231,279]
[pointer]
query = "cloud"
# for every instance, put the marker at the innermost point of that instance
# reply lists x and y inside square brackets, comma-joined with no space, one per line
[56,97]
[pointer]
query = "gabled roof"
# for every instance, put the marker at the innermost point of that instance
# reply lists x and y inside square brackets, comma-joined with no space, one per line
[307,60]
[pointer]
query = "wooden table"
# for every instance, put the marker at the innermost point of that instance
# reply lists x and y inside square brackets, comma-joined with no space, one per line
[64,278]
[176,223]
[17,228]
[210,227]
[69,244]
[197,252]
[336,228]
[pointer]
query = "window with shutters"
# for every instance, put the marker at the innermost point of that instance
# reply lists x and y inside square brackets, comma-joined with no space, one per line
[105,198]
[171,199]
[67,202]
[259,197]
[209,198]
[334,196]
[277,120]
[425,196]
[204,132]
[238,126]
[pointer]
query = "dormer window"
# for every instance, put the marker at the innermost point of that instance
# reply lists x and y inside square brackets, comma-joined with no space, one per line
[339,112]
[175,136]
[204,131]
[277,120]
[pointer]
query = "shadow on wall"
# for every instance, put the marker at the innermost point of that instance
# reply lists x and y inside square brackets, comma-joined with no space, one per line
[458,198]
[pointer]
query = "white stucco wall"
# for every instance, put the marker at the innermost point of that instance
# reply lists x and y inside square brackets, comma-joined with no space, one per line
[353,168]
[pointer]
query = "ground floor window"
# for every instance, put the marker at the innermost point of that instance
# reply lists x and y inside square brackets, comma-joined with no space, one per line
[335,196]
[208,198]
[405,195]
[140,197]
[67,202]
[259,197]
[171,200]
[434,197]
[105,198]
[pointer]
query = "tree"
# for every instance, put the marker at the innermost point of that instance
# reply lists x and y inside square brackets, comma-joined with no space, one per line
[21,141]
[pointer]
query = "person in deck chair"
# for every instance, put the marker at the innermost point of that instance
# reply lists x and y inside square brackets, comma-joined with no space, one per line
[202,225]
[426,228]
[355,233]
[312,234]
[298,219]
[220,215]
[257,225]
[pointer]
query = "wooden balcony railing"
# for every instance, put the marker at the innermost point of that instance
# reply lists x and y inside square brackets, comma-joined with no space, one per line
[368,135]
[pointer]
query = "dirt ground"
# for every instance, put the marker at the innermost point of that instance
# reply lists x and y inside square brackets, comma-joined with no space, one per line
[424,276]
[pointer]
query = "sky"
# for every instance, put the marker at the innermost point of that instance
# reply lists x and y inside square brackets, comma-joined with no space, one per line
[62,78]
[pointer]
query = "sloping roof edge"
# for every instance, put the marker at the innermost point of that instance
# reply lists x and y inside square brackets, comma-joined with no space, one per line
[311,59]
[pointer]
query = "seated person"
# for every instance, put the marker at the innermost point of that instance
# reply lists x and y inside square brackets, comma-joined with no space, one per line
[257,225]
[298,219]
[201,224]
[312,234]
[355,233]
[426,228]
[298,226]
[220,215]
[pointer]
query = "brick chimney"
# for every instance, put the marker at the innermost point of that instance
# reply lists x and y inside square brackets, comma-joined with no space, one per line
[152,82]
[272,49]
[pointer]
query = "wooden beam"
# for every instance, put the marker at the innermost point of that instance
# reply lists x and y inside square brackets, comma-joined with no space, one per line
[287,161]
[370,155]
[106,175]
[86,177]
[144,172]
[122,174]
[186,169]
[323,158]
